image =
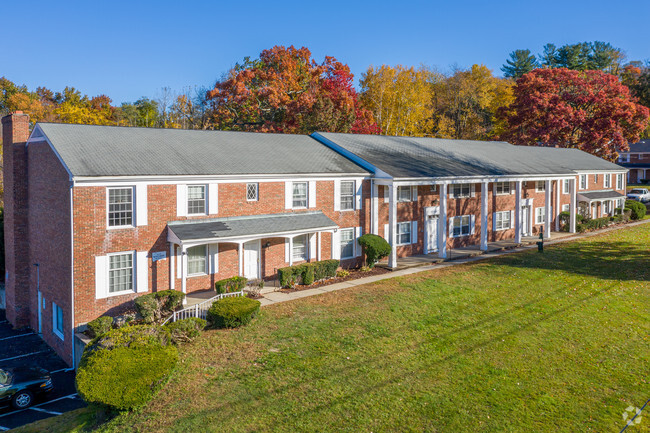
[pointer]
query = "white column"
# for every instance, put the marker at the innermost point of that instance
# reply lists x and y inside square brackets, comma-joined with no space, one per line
[184,269]
[558,206]
[318,247]
[572,205]
[484,216]
[518,211]
[547,209]
[240,252]
[374,203]
[392,226]
[290,251]
[442,223]
[172,265]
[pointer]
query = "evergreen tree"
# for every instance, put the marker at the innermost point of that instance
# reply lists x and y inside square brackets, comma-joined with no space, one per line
[519,63]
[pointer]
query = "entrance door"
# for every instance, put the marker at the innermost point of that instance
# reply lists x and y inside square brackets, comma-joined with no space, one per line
[525,221]
[432,215]
[252,260]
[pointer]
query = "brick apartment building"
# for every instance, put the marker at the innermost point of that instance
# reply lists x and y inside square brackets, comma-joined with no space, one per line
[637,160]
[98,215]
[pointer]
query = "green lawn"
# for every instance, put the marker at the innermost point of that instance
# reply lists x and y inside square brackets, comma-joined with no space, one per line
[530,342]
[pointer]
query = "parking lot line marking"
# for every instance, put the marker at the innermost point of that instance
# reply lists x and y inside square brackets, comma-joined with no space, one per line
[22,356]
[63,369]
[51,412]
[38,405]
[4,428]
[16,336]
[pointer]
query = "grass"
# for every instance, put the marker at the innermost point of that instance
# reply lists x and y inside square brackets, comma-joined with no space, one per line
[529,342]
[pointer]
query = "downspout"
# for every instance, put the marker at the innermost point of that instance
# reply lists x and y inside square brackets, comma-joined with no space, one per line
[74,366]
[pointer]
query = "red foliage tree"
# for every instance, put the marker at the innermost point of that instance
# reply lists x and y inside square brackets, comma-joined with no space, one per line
[587,110]
[285,90]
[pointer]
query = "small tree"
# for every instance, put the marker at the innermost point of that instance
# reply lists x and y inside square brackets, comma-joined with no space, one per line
[375,248]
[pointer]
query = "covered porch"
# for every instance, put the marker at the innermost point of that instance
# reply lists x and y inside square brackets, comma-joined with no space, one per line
[598,204]
[256,245]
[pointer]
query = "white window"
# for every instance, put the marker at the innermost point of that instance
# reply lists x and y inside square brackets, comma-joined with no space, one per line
[583,181]
[539,215]
[502,188]
[460,226]
[299,194]
[347,243]
[120,207]
[619,181]
[596,178]
[607,180]
[347,195]
[252,192]
[565,186]
[197,260]
[608,207]
[460,190]
[299,251]
[120,273]
[434,188]
[502,220]
[57,320]
[566,208]
[404,233]
[196,199]
[404,193]
[540,186]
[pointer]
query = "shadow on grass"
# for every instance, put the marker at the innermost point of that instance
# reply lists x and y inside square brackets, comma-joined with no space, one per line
[606,260]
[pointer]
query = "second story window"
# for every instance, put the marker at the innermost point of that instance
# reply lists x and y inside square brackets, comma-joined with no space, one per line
[460,190]
[565,186]
[540,186]
[195,199]
[300,194]
[595,178]
[502,188]
[120,207]
[404,193]
[252,192]
[607,180]
[347,195]
[619,181]
[583,181]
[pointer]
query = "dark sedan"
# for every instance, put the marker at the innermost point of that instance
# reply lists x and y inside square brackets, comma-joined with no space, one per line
[19,386]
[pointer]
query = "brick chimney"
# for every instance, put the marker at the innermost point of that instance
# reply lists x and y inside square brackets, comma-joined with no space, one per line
[15,132]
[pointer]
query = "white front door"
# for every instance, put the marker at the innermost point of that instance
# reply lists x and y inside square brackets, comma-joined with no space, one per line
[252,260]
[431,215]
[525,221]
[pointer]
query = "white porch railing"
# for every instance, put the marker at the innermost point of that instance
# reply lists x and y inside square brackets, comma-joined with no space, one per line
[199,310]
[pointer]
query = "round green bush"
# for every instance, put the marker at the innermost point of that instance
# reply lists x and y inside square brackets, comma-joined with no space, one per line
[99,326]
[130,336]
[185,330]
[374,247]
[232,312]
[147,307]
[638,210]
[125,378]
[169,300]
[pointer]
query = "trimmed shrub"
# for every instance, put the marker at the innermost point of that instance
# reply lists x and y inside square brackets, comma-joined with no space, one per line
[147,307]
[130,336]
[229,285]
[307,273]
[169,300]
[375,248]
[99,326]
[125,378]
[593,224]
[185,330]
[153,306]
[232,312]
[326,269]
[638,210]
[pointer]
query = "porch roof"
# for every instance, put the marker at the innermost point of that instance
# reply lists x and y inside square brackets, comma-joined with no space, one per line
[230,228]
[600,195]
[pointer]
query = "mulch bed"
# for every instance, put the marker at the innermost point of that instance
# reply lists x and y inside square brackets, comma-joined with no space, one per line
[355,274]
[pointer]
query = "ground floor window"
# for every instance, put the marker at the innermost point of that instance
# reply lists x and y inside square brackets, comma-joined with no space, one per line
[566,208]
[120,273]
[197,260]
[299,251]
[540,217]
[502,220]
[347,243]
[460,226]
[57,320]
[403,233]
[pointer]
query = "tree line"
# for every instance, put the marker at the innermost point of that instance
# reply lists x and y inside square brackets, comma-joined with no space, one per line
[581,95]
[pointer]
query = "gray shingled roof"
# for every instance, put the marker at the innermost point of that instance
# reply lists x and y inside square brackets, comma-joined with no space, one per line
[219,228]
[641,146]
[600,195]
[90,150]
[412,157]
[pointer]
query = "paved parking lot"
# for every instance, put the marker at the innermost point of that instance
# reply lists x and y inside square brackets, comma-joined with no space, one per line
[25,348]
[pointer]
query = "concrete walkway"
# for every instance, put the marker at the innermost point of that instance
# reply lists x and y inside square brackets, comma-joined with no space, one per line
[277,297]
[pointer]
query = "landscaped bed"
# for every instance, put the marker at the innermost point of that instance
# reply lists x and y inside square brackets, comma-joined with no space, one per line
[350,274]
[541,342]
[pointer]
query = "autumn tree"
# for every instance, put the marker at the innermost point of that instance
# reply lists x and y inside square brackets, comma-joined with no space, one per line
[586,110]
[399,98]
[519,63]
[285,90]
[465,105]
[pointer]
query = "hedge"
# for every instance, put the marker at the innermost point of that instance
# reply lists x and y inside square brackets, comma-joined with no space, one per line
[169,300]
[153,306]
[375,248]
[99,326]
[232,312]
[593,224]
[638,210]
[229,285]
[124,368]
[303,273]
[185,330]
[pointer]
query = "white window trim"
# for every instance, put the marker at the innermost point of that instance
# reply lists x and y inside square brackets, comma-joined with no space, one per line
[257,191]
[205,199]
[585,177]
[354,196]
[537,214]
[410,195]
[509,213]
[133,204]
[461,235]
[205,262]
[619,185]
[452,193]
[354,239]
[306,195]
[55,321]
[537,186]
[397,234]
[134,276]
[566,186]
[293,245]
[503,184]
[566,208]
[607,180]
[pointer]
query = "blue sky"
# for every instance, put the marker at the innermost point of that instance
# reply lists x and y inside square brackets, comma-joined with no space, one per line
[129,49]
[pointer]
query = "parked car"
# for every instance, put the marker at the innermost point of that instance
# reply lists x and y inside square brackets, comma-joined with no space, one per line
[19,386]
[639,194]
